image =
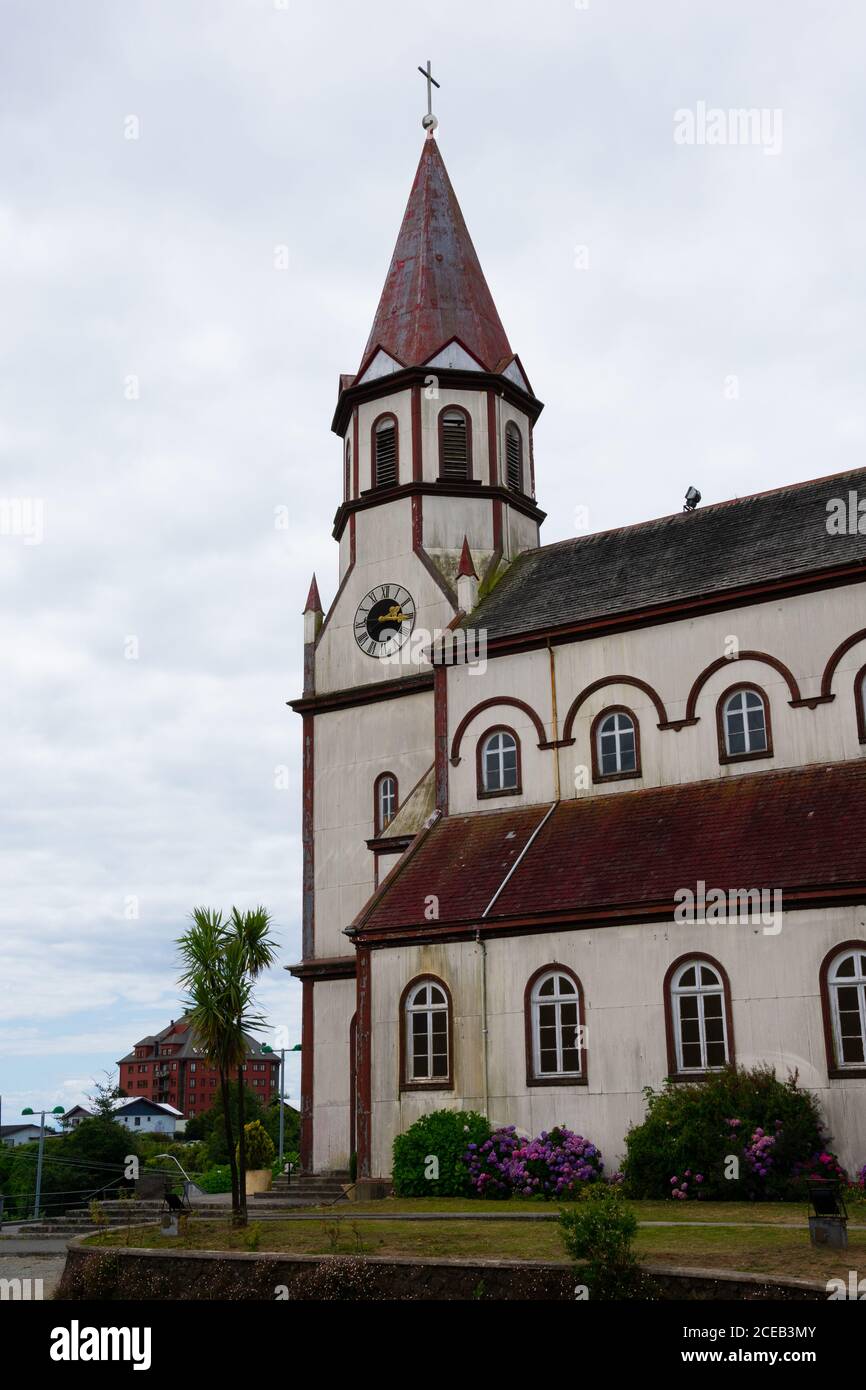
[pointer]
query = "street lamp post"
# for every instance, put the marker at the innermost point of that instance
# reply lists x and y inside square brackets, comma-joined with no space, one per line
[58,1110]
[283,1051]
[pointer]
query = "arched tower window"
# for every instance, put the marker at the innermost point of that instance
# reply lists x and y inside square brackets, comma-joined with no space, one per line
[514,457]
[385,454]
[347,482]
[385,801]
[455,444]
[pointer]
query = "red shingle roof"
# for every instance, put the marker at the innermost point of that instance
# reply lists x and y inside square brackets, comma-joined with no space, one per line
[435,290]
[627,853]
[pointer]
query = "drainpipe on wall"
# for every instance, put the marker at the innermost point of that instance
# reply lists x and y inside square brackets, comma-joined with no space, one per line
[485,1087]
[557,793]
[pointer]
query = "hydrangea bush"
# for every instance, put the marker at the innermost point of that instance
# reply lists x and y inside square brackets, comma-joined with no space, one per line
[556,1164]
[691,1133]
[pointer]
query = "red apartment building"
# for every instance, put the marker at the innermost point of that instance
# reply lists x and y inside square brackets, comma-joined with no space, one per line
[170,1067]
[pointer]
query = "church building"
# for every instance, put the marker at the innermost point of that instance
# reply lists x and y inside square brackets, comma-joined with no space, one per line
[576,817]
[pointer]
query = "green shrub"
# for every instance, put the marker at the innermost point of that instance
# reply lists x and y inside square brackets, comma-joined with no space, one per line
[597,1233]
[259,1146]
[690,1132]
[217,1179]
[429,1157]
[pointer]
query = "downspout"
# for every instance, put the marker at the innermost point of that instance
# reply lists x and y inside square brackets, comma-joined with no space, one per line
[557,792]
[485,1085]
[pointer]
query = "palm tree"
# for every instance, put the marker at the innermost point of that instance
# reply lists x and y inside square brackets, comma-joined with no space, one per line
[251,950]
[221,962]
[202,952]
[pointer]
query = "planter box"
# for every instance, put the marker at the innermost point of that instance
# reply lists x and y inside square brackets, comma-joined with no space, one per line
[258,1180]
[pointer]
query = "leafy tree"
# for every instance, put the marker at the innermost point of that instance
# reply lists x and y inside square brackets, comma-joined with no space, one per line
[259,1145]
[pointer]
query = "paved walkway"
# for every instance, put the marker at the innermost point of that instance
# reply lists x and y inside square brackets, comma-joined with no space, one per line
[48,1267]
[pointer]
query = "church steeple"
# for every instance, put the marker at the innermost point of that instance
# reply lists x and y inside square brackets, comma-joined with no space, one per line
[435,291]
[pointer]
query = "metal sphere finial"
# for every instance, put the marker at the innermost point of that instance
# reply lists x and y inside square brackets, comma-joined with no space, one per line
[429,122]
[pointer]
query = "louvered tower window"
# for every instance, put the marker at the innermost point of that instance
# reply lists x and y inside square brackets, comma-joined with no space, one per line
[347,486]
[514,456]
[385,452]
[454,445]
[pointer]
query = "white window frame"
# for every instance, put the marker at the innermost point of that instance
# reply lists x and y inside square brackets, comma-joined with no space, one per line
[678,992]
[557,999]
[834,984]
[427,1007]
[623,724]
[499,754]
[743,709]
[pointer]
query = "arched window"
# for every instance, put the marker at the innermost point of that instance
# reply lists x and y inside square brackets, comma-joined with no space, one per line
[385,799]
[615,741]
[455,444]
[860,703]
[385,451]
[555,1043]
[697,1002]
[426,1034]
[347,483]
[498,763]
[843,993]
[514,457]
[743,715]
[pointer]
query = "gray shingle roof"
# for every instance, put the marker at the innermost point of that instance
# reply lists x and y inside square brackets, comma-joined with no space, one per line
[730,545]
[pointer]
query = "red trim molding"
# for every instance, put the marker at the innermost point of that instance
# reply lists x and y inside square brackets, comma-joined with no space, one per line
[334,968]
[307,1058]
[308,841]
[723,661]
[833,663]
[363,694]
[724,755]
[442,487]
[489,704]
[835,1071]
[673,1073]
[440,736]
[599,685]
[531,1078]
[364,1062]
[439,1083]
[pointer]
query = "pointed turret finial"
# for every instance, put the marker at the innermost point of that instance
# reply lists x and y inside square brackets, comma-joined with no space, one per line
[429,122]
[314,603]
[466,565]
[467,580]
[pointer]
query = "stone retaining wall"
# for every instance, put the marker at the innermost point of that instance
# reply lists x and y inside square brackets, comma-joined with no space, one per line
[117,1273]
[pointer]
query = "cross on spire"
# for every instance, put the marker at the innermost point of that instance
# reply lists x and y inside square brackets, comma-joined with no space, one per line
[429,122]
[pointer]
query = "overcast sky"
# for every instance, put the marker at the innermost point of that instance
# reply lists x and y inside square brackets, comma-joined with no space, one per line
[690,313]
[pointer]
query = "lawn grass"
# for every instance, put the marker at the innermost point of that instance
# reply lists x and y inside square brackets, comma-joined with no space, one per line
[764,1249]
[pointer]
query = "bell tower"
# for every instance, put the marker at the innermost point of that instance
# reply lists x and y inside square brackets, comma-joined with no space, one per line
[437,422]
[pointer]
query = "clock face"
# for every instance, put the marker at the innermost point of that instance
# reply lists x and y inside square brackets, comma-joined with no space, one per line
[384,619]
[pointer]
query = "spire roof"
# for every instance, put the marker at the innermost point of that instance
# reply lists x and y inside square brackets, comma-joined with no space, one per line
[466,565]
[435,290]
[314,603]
